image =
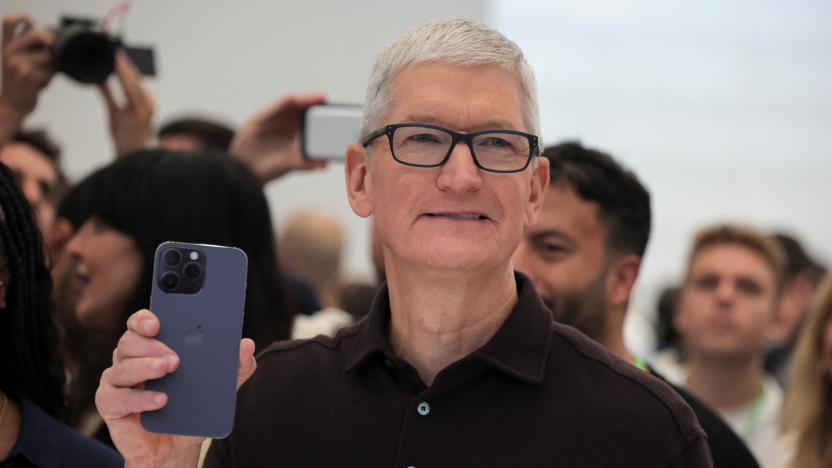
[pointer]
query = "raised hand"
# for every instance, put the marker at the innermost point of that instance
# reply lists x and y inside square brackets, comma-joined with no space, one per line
[121,397]
[269,142]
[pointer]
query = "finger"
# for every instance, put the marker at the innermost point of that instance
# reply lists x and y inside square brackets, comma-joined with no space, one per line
[109,100]
[291,105]
[32,40]
[247,362]
[130,79]
[133,345]
[312,164]
[144,323]
[11,23]
[116,403]
[134,371]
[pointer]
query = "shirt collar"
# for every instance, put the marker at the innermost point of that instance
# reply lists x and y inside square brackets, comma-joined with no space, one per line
[39,439]
[520,347]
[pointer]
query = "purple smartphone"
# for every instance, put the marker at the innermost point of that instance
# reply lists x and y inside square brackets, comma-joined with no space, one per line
[199,296]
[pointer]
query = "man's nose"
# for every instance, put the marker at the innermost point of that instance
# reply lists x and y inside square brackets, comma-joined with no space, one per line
[725,292]
[460,174]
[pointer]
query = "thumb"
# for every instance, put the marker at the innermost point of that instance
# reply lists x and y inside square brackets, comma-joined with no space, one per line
[247,362]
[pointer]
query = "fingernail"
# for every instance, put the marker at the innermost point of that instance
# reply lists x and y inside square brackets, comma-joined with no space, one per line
[159,399]
[147,326]
[158,363]
[171,361]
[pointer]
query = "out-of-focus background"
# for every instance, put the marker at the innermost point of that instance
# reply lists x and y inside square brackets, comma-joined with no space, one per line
[724,109]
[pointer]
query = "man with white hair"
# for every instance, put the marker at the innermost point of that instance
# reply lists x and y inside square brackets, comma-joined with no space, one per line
[458,363]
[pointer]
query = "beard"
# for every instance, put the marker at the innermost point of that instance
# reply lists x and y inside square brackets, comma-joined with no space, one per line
[584,309]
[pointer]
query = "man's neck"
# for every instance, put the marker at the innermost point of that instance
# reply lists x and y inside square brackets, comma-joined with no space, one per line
[725,384]
[439,318]
[613,338]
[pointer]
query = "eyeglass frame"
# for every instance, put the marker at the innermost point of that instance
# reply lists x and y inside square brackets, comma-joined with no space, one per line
[468,138]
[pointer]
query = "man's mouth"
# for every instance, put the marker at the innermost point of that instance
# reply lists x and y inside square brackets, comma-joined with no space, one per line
[462,216]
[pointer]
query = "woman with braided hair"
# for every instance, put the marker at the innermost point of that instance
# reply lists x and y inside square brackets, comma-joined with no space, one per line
[32,378]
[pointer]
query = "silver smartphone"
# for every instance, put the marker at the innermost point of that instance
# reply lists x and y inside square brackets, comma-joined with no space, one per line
[198,294]
[328,129]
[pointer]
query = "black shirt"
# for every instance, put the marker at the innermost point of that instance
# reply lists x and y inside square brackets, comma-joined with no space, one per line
[537,394]
[727,448]
[45,442]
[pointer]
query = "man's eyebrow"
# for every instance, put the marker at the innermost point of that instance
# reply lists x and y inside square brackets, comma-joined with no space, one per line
[543,233]
[495,124]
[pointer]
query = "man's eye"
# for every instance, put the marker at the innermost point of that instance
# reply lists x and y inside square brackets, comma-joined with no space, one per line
[495,142]
[707,282]
[749,286]
[422,138]
[551,251]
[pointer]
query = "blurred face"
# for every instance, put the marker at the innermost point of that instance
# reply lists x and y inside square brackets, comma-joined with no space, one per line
[727,306]
[107,269]
[37,178]
[455,217]
[563,254]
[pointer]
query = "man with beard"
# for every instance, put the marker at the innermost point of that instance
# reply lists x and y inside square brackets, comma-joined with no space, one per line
[583,256]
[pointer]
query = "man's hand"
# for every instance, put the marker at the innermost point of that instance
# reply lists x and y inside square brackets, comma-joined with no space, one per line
[27,67]
[121,397]
[131,123]
[269,142]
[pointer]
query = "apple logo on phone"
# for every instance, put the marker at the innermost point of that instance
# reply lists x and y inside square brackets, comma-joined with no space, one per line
[195,337]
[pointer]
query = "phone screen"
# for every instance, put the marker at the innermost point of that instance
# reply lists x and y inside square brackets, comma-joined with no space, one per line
[329,128]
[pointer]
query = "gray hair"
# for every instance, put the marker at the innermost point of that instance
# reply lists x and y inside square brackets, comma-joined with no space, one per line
[455,41]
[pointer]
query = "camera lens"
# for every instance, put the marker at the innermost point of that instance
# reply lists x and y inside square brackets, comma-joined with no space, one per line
[169,281]
[193,270]
[172,257]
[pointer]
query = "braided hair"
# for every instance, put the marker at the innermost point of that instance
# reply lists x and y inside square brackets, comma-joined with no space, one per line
[30,363]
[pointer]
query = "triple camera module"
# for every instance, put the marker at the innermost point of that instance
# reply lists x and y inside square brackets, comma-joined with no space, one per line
[181,271]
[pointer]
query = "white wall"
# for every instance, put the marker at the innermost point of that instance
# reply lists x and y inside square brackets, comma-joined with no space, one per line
[229,59]
[724,108]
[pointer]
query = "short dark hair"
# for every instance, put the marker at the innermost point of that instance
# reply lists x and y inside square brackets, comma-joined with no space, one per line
[623,202]
[797,260]
[40,140]
[210,132]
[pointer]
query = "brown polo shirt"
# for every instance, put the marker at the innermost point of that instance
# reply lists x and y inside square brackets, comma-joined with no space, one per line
[538,394]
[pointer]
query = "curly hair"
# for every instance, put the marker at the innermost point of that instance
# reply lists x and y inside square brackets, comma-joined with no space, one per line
[32,366]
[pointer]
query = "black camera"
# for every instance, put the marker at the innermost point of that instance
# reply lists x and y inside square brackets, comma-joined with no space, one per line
[87,55]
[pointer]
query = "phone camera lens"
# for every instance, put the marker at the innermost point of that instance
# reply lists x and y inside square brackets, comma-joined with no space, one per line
[169,281]
[172,257]
[193,271]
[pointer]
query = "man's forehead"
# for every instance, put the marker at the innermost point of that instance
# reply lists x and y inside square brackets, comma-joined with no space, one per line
[460,97]
[730,259]
[488,124]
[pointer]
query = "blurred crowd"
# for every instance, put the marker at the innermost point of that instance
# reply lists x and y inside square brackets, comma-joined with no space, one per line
[745,336]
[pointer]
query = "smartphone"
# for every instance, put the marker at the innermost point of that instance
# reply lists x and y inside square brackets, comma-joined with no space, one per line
[328,129]
[199,294]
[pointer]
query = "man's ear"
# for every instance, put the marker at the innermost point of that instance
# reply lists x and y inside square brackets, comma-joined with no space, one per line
[359,180]
[537,190]
[621,277]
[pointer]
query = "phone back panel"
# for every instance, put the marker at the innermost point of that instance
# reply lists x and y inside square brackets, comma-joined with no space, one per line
[204,329]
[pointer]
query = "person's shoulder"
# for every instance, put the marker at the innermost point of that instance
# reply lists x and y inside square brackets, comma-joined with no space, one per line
[73,448]
[609,380]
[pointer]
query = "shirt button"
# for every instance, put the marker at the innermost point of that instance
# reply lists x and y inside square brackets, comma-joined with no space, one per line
[411,466]
[389,363]
[423,408]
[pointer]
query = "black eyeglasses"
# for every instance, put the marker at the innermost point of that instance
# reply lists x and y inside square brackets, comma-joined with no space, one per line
[423,145]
